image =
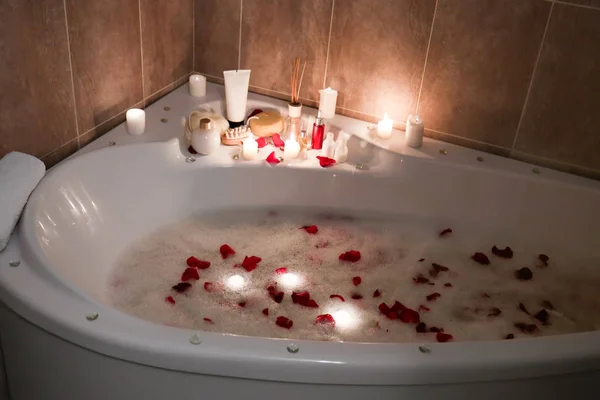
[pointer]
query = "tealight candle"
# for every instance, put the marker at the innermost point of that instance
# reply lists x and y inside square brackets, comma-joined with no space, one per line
[414,131]
[291,149]
[327,102]
[197,85]
[384,127]
[135,121]
[250,148]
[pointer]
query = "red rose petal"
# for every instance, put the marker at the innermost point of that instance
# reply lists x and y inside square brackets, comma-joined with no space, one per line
[420,280]
[265,311]
[494,312]
[195,263]
[524,274]
[242,304]
[182,287]
[351,256]
[542,316]
[410,316]
[277,141]
[356,280]
[312,229]
[509,336]
[271,159]
[250,263]
[334,296]
[325,319]
[262,142]
[208,286]
[421,259]
[443,337]
[445,232]
[439,268]
[276,295]
[170,299]
[544,259]
[325,161]
[433,296]
[504,253]
[398,307]
[226,251]
[189,274]
[357,296]
[523,308]
[281,270]
[210,321]
[384,309]
[284,322]
[376,293]
[303,298]
[311,304]
[547,304]
[435,329]
[191,150]
[526,328]
[447,284]
[422,307]
[481,258]
[421,327]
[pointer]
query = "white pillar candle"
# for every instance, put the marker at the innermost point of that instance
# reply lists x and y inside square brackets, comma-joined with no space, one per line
[414,131]
[384,127]
[250,148]
[327,102]
[291,149]
[135,121]
[197,85]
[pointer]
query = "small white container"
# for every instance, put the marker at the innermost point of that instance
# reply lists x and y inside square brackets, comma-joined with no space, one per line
[414,131]
[327,101]
[328,148]
[206,139]
[135,121]
[341,150]
[197,85]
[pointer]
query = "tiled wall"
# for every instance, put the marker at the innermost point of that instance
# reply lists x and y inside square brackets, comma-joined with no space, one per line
[71,68]
[519,78]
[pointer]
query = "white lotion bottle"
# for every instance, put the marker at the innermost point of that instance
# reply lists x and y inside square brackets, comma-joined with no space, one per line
[206,139]
[341,150]
[236,95]
[328,149]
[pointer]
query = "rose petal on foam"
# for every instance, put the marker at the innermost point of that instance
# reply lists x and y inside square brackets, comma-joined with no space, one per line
[504,253]
[170,299]
[356,296]
[398,307]
[523,308]
[242,304]
[443,337]
[208,286]
[509,336]
[281,270]
[420,280]
[544,259]
[356,280]
[432,296]
[312,229]
[525,327]
[445,232]
[524,274]
[325,161]
[190,274]
[261,142]
[182,287]
[271,159]
[226,251]
[303,298]
[494,312]
[196,263]
[210,321]
[542,316]
[410,316]
[277,141]
[376,293]
[250,263]
[276,295]
[265,311]
[284,322]
[421,259]
[447,284]
[351,256]
[480,258]
[337,296]
[325,319]
[435,329]
[422,307]
[421,327]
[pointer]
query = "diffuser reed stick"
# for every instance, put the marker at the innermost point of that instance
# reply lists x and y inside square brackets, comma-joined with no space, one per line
[297,83]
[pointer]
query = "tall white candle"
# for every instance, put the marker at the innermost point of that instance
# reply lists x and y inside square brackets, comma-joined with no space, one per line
[250,148]
[135,121]
[414,131]
[291,149]
[197,85]
[384,127]
[327,102]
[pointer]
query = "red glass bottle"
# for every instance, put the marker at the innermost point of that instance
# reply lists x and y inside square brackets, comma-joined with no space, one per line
[318,133]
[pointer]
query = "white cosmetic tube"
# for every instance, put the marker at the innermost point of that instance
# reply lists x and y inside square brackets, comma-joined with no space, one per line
[236,94]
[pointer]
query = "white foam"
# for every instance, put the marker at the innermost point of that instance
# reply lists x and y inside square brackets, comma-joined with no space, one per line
[390,250]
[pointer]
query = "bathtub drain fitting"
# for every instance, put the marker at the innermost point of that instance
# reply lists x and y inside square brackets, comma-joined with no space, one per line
[424,349]
[92,317]
[14,263]
[293,348]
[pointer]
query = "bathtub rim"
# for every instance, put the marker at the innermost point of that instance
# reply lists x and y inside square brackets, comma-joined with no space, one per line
[116,334]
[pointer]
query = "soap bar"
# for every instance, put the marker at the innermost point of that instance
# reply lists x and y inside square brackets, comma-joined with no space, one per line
[266,123]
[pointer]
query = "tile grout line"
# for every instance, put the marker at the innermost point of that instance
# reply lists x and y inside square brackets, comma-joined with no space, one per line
[166,86]
[328,43]
[535,67]
[142,54]
[426,56]
[535,157]
[60,147]
[193,35]
[239,66]
[576,5]
[72,75]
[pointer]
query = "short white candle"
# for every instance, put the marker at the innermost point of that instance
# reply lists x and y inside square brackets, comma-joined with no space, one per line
[135,121]
[327,102]
[414,131]
[384,127]
[197,85]
[250,148]
[291,149]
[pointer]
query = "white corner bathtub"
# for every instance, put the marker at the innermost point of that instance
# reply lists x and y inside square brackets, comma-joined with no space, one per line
[62,341]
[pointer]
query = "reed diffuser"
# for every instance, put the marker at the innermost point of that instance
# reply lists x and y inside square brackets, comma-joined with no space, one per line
[293,125]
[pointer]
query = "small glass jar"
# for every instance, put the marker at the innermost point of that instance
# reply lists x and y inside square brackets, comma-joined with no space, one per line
[293,123]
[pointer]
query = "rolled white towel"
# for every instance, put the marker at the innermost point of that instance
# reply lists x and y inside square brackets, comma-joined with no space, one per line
[19,175]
